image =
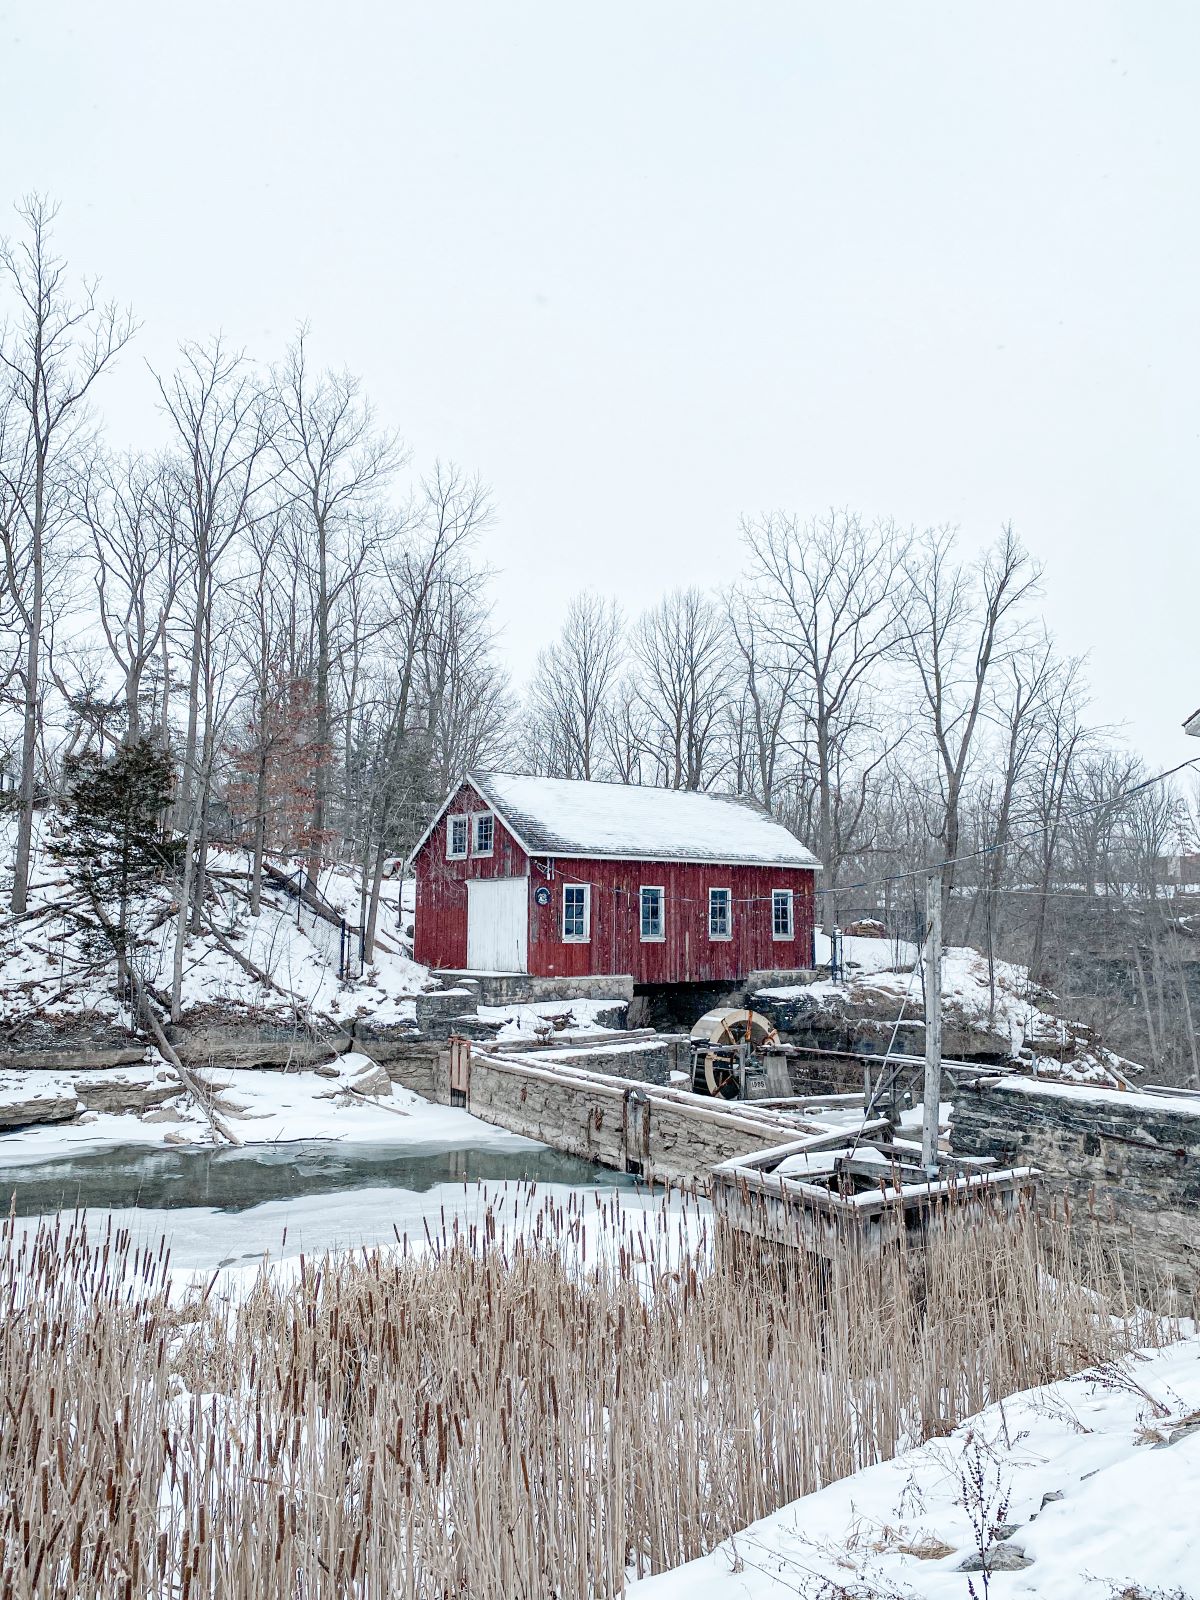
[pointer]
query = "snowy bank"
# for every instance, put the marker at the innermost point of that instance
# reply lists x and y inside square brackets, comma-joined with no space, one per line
[1082,1490]
[350,1101]
[52,983]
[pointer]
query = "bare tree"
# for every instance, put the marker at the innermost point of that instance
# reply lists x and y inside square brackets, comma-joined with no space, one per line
[1097,784]
[264,624]
[682,650]
[1013,703]
[464,694]
[131,510]
[627,732]
[766,717]
[422,579]
[333,458]
[219,462]
[573,686]
[1060,738]
[832,601]
[50,356]
[963,624]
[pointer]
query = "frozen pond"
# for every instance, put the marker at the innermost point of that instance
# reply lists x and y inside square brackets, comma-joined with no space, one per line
[220,1208]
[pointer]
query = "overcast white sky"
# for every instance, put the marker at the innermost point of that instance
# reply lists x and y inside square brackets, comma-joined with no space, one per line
[648,266]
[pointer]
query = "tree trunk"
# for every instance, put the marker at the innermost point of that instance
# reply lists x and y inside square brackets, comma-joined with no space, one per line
[29,731]
[185,893]
[825,801]
[165,712]
[373,911]
[133,693]
[321,775]
[187,795]
[260,831]
[29,727]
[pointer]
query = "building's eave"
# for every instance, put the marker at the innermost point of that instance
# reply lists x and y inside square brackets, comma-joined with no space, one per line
[469,780]
[671,861]
[1192,725]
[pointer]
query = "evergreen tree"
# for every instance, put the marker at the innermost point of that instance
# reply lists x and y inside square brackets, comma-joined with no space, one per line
[112,842]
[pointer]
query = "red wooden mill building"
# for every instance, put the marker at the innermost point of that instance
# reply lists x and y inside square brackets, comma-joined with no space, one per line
[563,879]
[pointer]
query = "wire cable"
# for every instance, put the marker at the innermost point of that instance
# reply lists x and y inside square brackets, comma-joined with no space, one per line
[1012,838]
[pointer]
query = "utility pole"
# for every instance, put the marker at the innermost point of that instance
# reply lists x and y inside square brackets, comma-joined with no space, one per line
[933,1020]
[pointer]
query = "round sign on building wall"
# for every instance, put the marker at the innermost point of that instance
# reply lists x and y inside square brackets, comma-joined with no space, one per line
[541,895]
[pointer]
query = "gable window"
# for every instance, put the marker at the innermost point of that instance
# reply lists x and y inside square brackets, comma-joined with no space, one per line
[577,913]
[651,914]
[783,925]
[458,831]
[720,914]
[485,833]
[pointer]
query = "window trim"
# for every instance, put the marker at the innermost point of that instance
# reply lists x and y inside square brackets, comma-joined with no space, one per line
[727,936]
[789,937]
[476,818]
[661,936]
[451,853]
[577,938]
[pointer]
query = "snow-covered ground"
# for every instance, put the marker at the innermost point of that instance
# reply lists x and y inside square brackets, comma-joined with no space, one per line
[260,1108]
[47,974]
[1095,1476]
[886,967]
[885,974]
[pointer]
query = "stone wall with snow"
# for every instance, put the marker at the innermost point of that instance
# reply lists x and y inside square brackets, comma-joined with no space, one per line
[1135,1157]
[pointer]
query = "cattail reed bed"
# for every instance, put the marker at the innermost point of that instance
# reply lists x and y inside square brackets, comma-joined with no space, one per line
[529,1411]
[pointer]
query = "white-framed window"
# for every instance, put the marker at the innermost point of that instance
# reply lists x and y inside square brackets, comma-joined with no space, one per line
[458,833]
[650,898]
[720,914]
[783,918]
[576,913]
[485,833]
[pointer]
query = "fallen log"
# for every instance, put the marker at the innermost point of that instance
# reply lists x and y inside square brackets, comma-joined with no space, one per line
[199,1091]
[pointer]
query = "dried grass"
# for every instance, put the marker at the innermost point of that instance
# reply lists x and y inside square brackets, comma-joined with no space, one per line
[493,1417]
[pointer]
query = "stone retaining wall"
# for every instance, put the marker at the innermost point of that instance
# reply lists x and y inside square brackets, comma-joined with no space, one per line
[1135,1157]
[599,1117]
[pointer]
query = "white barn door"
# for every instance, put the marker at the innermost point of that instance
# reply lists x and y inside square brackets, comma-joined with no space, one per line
[498,924]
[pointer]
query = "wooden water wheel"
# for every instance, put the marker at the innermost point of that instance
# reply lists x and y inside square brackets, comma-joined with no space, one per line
[734,1035]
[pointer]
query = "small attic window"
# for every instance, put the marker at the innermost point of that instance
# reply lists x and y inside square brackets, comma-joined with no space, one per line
[485,833]
[457,835]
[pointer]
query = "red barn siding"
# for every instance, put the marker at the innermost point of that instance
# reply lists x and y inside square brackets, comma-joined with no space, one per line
[686,955]
[440,924]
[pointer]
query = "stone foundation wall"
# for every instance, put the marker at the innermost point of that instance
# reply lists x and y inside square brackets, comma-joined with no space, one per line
[651,1062]
[1135,1157]
[441,1012]
[522,988]
[416,1066]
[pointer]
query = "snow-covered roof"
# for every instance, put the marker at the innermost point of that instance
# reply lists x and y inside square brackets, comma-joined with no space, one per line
[568,817]
[1192,725]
